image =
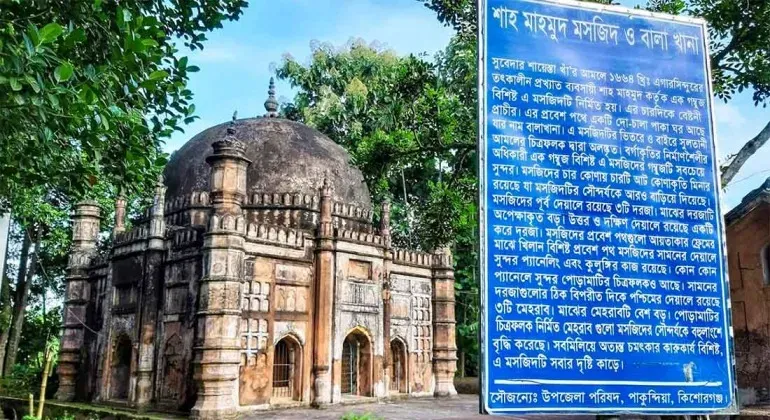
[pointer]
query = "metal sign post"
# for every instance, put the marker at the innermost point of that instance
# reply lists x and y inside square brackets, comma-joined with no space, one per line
[604,280]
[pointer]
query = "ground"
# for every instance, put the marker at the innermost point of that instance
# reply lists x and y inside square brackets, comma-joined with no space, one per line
[460,407]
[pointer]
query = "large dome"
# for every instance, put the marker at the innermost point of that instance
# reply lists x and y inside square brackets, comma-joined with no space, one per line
[286,157]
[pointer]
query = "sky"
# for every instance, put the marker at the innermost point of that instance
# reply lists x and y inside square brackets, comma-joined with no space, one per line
[237,63]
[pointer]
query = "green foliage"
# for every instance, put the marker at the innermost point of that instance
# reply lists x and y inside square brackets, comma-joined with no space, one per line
[403,120]
[355,416]
[65,416]
[410,124]
[40,331]
[89,90]
[738,33]
[24,380]
[459,14]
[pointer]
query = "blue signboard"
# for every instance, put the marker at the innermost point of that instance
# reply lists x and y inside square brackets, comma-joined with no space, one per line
[604,284]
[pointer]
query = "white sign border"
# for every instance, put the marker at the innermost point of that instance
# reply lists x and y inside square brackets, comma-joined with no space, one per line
[732,408]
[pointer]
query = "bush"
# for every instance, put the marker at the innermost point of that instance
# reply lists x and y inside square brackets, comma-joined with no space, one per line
[24,380]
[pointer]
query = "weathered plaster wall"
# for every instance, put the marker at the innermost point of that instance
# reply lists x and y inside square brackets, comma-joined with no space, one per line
[411,318]
[358,306]
[174,387]
[276,303]
[750,296]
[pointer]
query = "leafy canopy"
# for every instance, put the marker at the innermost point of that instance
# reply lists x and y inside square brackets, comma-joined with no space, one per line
[410,124]
[404,121]
[89,90]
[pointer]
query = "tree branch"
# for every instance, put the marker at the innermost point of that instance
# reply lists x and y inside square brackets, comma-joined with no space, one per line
[734,41]
[734,70]
[729,170]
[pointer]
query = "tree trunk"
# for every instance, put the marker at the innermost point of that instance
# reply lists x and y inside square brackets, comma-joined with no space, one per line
[19,308]
[731,169]
[6,314]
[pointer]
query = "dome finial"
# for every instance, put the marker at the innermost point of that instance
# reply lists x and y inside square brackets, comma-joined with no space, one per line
[231,126]
[271,104]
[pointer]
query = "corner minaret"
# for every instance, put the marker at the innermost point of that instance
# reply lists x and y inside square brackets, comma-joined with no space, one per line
[85,231]
[157,219]
[386,295]
[324,302]
[217,344]
[444,347]
[271,104]
[120,214]
[152,282]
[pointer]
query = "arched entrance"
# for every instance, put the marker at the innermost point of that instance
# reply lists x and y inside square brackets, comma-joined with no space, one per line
[120,376]
[357,364]
[287,369]
[398,378]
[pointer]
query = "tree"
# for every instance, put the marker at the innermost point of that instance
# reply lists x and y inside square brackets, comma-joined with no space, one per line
[91,88]
[740,53]
[407,123]
[7,310]
[403,120]
[20,302]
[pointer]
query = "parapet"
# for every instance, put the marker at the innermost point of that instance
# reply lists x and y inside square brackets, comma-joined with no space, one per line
[415,258]
[277,235]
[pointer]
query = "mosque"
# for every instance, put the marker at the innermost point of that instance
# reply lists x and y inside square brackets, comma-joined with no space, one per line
[257,279]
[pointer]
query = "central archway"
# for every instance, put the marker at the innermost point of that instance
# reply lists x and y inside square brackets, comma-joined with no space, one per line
[356,364]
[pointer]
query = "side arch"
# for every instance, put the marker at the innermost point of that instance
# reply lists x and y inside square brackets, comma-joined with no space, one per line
[399,367]
[172,388]
[287,371]
[120,367]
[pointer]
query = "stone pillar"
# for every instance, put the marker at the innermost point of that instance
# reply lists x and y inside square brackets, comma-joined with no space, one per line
[444,347]
[386,299]
[217,341]
[324,301]
[151,285]
[85,230]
